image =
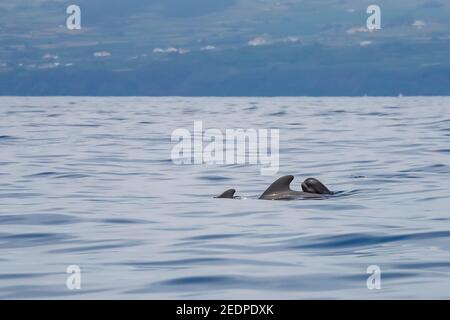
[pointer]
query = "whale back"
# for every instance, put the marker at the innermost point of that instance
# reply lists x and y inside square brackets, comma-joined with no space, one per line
[280,186]
[229,194]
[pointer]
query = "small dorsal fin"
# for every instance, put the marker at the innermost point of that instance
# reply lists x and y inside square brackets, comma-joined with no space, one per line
[229,194]
[281,185]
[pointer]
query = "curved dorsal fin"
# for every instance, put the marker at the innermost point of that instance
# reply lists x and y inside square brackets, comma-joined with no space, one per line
[229,194]
[281,185]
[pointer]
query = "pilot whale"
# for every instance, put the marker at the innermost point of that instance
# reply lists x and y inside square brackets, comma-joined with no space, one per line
[229,194]
[281,190]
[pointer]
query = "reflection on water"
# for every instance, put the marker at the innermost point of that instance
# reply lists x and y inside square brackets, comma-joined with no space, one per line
[89,182]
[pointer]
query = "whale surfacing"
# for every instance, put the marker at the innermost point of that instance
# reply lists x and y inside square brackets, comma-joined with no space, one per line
[229,194]
[281,190]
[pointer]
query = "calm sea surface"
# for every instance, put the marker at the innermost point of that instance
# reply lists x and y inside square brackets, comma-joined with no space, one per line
[90,182]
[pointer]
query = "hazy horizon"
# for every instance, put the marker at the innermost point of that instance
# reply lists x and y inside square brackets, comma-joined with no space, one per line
[225,48]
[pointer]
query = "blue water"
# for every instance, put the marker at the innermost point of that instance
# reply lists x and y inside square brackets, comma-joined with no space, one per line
[90,182]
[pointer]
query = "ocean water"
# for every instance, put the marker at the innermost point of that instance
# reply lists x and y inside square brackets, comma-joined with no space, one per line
[90,182]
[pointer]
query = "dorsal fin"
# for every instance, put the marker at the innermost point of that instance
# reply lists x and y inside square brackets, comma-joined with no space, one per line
[281,185]
[229,194]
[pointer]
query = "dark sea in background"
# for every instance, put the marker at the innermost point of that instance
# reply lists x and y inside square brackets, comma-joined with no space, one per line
[90,182]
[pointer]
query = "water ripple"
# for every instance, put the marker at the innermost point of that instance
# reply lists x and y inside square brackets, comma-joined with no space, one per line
[90,182]
[363,240]
[38,219]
